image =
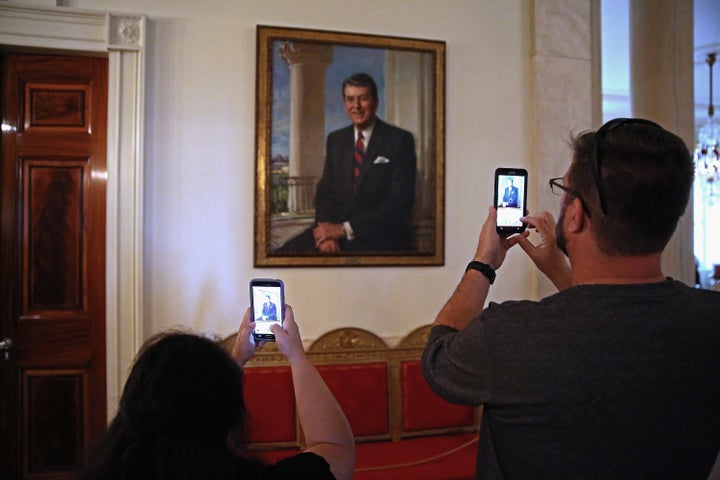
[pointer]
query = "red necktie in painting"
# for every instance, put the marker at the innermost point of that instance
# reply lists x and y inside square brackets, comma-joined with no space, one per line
[358,157]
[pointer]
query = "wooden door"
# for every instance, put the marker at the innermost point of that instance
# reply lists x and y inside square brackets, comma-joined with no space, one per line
[52,263]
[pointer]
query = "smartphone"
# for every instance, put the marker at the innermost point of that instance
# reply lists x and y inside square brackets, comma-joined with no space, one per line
[267,302]
[510,199]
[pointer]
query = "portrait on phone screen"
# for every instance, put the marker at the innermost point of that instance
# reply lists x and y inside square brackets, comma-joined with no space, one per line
[510,200]
[267,308]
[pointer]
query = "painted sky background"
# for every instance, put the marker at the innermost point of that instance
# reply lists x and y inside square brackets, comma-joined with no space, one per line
[346,61]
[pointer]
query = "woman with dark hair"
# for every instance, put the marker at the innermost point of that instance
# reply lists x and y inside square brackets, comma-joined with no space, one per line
[182,415]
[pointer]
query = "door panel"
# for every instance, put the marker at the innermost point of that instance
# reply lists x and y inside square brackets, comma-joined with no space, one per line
[53,273]
[54,420]
[53,262]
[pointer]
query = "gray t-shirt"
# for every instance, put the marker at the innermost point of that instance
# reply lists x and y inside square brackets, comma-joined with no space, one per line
[595,382]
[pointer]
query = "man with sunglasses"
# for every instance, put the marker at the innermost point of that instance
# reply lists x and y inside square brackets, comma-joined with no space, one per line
[617,376]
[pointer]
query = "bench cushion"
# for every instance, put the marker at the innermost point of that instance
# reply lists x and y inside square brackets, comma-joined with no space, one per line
[361,389]
[270,401]
[423,409]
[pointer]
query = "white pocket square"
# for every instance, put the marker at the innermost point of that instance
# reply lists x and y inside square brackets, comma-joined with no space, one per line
[380,160]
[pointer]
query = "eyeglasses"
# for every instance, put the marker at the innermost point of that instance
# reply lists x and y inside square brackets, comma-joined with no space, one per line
[558,187]
[595,157]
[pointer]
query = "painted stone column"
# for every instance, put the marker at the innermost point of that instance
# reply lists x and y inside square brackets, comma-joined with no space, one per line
[661,87]
[565,80]
[308,63]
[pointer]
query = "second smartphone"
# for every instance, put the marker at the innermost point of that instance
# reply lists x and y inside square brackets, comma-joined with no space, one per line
[510,199]
[267,302]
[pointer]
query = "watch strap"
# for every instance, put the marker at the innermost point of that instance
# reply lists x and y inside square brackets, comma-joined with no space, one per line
[483,268]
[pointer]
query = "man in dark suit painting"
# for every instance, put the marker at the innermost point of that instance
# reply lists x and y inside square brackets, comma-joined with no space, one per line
[269,310]
[365,196]
[510,195]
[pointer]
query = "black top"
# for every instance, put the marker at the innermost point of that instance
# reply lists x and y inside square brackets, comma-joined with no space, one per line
[595,382]
[305,466]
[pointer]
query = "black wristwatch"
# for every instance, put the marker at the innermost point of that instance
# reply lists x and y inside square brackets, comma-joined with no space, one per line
[483,268]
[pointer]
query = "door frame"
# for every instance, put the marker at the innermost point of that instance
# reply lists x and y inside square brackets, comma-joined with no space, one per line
[122,38]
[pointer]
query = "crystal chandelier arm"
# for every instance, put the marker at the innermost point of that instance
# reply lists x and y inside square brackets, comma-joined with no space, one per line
[711,61]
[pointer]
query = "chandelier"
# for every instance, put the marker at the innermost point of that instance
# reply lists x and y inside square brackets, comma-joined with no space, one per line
[707,151]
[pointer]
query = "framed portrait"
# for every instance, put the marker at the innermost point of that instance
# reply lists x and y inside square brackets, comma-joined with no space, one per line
[350,149]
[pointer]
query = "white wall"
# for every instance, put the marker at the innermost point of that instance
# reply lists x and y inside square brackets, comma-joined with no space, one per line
[199,172]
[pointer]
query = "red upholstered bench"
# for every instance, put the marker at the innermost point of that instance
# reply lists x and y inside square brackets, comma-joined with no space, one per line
[361,389]
[402,429]
[270,400]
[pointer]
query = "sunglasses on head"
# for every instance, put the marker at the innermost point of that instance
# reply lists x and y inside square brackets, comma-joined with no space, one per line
[595,156]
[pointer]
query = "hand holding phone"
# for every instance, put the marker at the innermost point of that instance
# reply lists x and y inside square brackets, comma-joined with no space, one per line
[510,199]
[267,304]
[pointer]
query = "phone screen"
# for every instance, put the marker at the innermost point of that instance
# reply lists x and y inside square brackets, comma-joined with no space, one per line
[510,199]
[267,300]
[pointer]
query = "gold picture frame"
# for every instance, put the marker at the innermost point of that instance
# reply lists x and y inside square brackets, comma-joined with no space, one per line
[299,79]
